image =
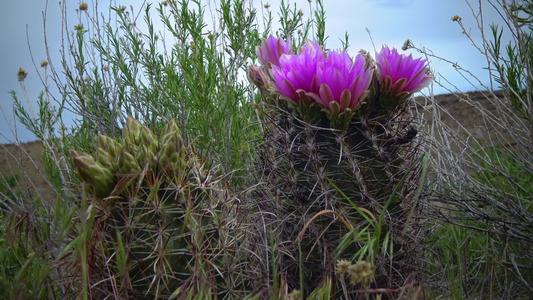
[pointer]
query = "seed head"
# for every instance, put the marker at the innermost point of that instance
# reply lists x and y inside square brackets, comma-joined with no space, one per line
[78,27]
[294,295]
[360,272]
[83,6]
[165,3]
[21,74]
[343,266]
[456,18]
[44,64]
[406,45]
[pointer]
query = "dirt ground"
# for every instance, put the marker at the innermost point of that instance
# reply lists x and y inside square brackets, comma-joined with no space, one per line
[26,162]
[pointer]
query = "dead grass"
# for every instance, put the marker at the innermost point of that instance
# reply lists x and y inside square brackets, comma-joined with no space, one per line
[25,160]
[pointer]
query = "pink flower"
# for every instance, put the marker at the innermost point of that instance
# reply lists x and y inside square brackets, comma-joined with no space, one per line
[400,73]
[271,50]
[295,75]
[342,81]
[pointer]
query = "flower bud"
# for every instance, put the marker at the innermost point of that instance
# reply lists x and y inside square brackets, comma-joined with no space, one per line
[109,145]
[100,178]
[127,164]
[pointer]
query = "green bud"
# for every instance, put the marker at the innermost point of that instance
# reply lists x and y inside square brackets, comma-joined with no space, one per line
[144,154]
[127,164]
[109,145]
[97,176]
[132,131]
[148,139]
[171,143]
[104,158]
[171,127]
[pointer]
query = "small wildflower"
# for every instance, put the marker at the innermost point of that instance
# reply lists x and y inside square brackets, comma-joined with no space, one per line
[406,45]
[105,68]
[342,267]
[87,79]
[156,37]
[78,27]
[122,8]
[21,74]
[456,18]
[267,6]
[165,3]
[300,13]
[365,272]
[361,272]
[44,64]
[300,32]
[294,295]
[83,6]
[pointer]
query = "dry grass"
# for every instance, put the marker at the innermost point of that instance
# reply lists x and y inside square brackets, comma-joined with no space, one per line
[25,162]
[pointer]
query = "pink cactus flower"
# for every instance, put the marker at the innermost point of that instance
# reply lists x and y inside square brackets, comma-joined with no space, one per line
[342,81]
[401,74]
[271,50]
[295,75]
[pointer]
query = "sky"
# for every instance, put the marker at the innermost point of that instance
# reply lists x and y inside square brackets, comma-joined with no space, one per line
[369,24]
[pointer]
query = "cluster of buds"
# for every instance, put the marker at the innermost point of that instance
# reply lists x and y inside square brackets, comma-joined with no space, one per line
[362,272]
[139,148]
[333,80]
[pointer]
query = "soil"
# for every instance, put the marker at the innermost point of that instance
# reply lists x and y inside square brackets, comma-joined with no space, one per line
[26,163]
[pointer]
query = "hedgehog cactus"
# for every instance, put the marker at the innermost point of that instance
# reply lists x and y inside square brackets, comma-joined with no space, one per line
[332,122]
[156,216]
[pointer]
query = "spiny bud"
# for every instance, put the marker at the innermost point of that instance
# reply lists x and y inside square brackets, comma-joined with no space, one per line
[127,164]
[144,154]
[170,127]
[170,144]
[131,131]
[103,158]
[92,172]
[109,145]
[148,139]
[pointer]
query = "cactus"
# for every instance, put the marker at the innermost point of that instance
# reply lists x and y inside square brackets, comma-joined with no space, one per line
[345,130]
[161,217]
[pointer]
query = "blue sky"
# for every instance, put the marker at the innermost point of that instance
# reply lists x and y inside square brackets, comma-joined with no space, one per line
[427,23]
